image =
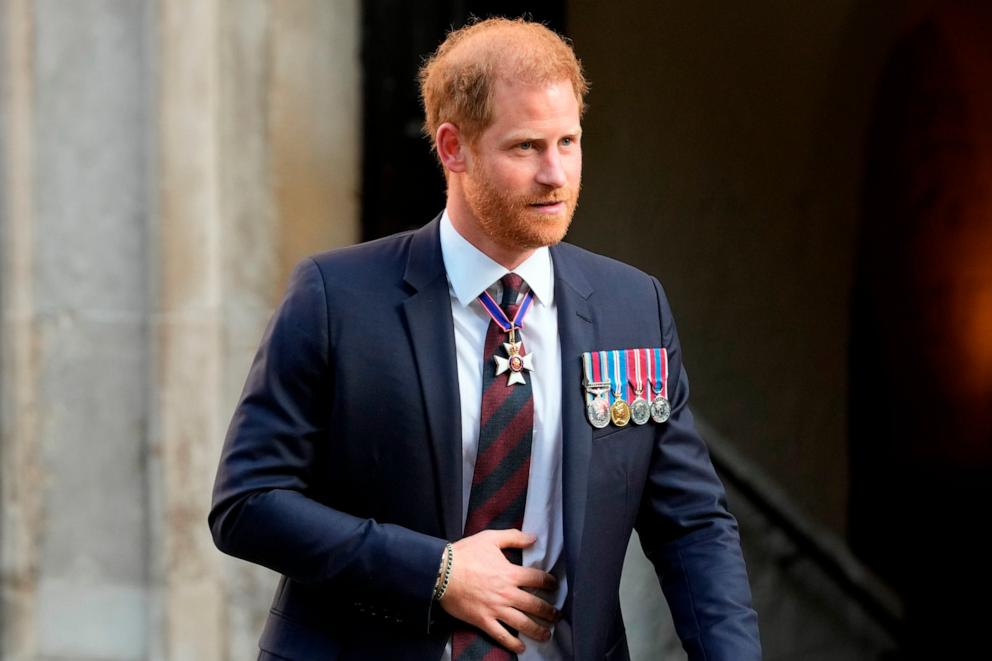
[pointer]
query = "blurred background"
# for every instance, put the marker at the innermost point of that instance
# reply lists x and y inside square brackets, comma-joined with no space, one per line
[810,181]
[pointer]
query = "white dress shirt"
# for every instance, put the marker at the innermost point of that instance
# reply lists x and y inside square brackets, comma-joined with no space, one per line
[470,272]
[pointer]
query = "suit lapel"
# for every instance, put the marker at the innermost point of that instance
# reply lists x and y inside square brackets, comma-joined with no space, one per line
[575,328]
[428,315]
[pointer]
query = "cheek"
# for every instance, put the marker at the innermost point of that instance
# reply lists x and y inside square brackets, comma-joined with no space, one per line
[575,168]
[516,177]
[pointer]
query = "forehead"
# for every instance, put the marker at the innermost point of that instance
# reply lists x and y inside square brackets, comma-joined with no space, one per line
[536,106]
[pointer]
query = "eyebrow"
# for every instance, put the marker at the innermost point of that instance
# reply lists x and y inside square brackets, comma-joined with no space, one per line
[527,136]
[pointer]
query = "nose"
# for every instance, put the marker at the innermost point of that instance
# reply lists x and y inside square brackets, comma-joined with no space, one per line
[552,172]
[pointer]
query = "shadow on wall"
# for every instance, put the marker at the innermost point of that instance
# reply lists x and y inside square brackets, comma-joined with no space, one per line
[921,346]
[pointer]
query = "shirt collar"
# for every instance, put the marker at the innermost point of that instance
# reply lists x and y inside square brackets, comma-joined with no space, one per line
[471,271]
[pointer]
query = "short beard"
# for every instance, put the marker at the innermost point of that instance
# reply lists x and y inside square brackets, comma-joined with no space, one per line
[510,221]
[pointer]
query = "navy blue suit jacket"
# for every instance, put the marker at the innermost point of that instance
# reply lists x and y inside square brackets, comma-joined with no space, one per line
[341,469]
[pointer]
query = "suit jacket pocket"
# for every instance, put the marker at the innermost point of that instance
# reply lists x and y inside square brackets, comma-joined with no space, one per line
[610,430]
[294,640]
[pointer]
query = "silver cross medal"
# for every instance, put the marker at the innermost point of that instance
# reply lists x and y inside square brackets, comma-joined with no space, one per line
[514,362]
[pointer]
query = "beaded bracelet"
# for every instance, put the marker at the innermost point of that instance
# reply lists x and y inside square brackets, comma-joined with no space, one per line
[443,577]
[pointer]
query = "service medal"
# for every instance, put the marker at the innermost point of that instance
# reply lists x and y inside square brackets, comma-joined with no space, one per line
[620,413]
[598,412]
[619,410]
[640,409]
[597,401]
[661,408]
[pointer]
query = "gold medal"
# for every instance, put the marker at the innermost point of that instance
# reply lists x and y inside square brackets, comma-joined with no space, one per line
[619,410]
[620,413]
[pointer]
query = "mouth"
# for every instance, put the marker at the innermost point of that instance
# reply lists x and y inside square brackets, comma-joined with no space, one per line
[549,206]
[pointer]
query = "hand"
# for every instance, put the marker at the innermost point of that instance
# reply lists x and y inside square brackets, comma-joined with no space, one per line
[485,589]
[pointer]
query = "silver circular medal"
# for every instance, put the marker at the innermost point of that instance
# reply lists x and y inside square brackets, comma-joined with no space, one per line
[661,410]
[598,412]
[640,411]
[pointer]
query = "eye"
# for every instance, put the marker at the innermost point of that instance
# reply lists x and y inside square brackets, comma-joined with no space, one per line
[568,141]
[527,144]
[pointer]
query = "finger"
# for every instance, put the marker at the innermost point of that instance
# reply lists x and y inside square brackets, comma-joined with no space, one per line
[513,539]
[499,633]
[530,604]
[525,625]
[527,577]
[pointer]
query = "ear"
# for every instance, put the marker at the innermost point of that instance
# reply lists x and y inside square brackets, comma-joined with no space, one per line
[451,149]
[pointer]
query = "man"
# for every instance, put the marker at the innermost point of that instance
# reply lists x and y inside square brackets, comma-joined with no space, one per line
[434,445]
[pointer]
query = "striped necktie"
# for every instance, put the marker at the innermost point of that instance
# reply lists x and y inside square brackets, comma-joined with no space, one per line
[502,466]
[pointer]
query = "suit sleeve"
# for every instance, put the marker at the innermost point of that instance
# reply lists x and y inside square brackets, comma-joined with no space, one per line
[688,534]
[263,510]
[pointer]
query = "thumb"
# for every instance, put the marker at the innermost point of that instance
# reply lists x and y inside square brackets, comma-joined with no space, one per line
[514,539]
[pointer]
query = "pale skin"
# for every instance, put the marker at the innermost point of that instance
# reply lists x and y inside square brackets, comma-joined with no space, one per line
[530,150]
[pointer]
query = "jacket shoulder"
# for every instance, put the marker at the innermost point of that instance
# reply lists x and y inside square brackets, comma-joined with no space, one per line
[368,259]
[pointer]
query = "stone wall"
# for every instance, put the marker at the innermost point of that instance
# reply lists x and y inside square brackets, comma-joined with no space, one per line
[164,166]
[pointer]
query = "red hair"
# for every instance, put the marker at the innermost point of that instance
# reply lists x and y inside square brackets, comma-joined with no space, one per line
[457,82]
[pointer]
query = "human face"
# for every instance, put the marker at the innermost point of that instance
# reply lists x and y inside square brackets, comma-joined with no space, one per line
[524,171]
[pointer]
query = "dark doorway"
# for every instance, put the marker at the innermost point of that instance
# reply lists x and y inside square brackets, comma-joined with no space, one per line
[921,353]
[402,185]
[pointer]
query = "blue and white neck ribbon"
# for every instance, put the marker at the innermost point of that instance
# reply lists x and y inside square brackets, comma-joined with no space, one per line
[496,312]
[515,362]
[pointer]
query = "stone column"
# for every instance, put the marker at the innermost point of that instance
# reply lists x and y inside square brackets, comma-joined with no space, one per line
[187,332]
[258,160]
[74,331]
[20,506]
[164,164]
